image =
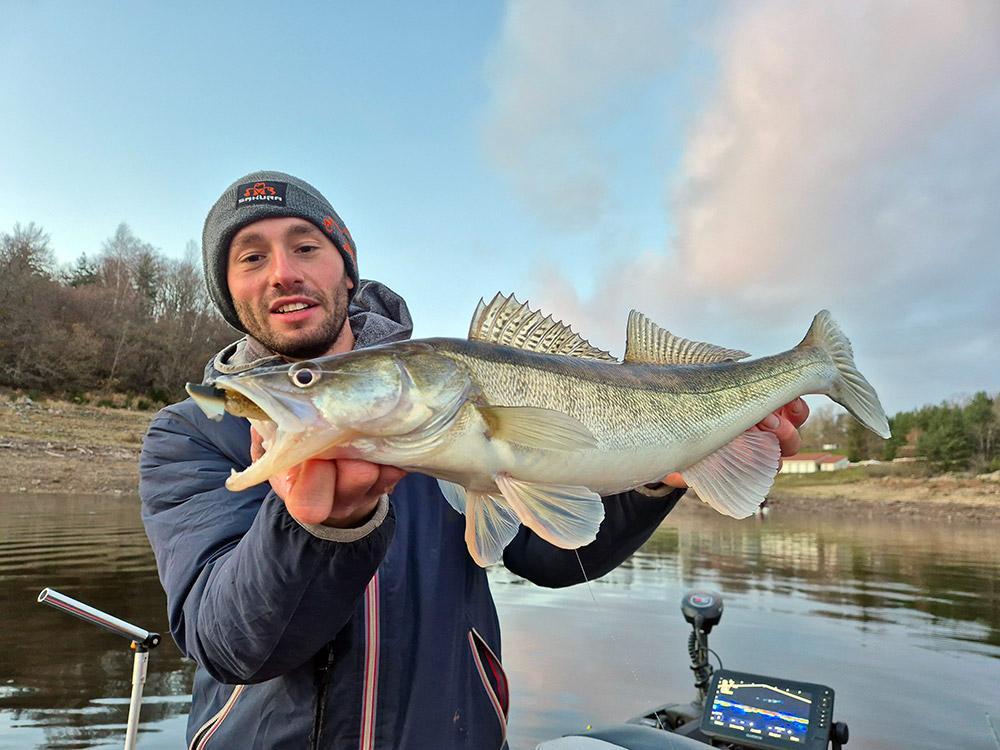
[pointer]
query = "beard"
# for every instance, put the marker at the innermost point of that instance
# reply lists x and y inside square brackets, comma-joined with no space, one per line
[301,344]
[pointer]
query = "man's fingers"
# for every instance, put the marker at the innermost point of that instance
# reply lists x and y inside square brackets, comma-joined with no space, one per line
[309,498]
[797,412]
[675,480]
[355,479]
[784,430]
[388,477]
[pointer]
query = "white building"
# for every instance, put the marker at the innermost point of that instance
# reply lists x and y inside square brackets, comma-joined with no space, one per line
[810,463]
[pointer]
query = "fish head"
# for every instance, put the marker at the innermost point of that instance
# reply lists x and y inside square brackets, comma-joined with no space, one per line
[310,407]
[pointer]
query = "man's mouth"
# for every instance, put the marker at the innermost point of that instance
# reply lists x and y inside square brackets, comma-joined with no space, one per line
[294,307]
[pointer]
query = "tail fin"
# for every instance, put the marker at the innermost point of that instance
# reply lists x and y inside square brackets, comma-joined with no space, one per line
[849,389]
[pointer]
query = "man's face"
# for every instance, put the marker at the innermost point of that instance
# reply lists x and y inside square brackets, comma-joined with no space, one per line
[288,285]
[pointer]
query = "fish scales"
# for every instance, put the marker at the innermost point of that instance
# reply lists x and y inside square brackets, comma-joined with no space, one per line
[537,436]
[638,405]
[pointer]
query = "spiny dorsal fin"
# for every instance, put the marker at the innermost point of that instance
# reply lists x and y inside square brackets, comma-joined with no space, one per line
[511,323]
[647,342]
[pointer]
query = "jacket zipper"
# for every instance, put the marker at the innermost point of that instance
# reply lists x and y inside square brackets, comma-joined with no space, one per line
[369,696]
[322,680]
[205,732]
[501,702]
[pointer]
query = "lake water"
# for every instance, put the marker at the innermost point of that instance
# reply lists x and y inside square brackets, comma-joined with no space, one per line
[901,618]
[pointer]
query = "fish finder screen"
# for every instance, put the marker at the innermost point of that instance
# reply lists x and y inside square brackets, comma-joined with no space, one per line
[761,711]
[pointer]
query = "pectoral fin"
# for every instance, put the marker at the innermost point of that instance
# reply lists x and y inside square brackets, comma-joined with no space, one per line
[537,428]
[563,515]
[489,524]
[736,478]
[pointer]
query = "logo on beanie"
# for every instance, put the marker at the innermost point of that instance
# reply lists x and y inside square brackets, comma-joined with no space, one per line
[256,193]
[333,226]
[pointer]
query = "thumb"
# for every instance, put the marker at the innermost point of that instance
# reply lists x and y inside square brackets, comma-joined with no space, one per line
[310,493]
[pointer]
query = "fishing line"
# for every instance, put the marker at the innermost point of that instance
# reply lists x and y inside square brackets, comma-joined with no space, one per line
[585,578]
[993,728]
[628,661]
[590,588]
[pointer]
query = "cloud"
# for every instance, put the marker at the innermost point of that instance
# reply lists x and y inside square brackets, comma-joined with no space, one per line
[846,159]
[555,73]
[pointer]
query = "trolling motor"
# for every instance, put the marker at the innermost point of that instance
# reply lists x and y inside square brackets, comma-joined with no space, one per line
[702,610]
[142,642]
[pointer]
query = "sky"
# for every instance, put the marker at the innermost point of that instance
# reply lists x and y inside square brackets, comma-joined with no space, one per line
[729,169]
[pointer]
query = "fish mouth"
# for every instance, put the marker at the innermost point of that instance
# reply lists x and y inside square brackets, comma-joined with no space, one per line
[292,430]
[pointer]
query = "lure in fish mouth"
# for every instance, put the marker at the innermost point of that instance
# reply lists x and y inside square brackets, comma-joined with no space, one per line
[527,423]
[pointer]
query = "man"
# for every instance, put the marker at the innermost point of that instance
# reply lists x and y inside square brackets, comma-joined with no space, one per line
[320,613]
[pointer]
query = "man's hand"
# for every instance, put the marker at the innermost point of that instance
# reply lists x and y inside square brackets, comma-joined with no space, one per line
[784,423]
[342,493]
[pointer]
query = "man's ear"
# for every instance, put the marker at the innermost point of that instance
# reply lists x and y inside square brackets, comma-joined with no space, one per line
[350,283]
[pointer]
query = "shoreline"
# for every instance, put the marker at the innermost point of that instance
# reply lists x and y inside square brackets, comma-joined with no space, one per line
[56,447]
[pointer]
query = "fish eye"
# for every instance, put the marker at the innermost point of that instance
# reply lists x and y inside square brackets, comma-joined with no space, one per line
[304,374]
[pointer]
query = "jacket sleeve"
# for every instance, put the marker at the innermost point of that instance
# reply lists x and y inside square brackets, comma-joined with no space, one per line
[251,594]
[630,518]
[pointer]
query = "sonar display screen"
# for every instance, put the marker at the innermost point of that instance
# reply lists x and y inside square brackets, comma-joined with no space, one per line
[771,714]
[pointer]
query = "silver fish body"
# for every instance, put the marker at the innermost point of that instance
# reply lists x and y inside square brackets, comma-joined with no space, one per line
[516,435]
[647,420]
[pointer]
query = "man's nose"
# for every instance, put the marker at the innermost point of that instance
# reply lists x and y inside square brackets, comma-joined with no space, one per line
[285,270]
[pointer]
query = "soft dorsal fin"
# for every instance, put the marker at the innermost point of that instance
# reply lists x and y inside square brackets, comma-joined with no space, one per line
[511,323]
[647,342]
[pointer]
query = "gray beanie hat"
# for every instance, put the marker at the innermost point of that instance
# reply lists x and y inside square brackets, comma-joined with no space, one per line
[265,195]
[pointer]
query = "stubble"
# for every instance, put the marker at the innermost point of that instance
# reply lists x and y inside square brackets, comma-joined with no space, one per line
[298,344]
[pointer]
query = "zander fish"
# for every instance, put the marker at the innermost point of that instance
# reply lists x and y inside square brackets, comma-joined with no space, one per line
[526,422]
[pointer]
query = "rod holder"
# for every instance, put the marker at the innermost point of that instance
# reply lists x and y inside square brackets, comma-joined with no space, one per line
[144,638]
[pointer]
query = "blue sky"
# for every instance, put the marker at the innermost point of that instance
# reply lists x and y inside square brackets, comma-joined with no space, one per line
[729,169]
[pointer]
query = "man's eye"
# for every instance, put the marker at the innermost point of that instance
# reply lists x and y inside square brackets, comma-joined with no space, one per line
[252,258]
[307,248]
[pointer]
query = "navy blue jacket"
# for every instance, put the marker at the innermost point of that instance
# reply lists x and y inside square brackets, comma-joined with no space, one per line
[389,641]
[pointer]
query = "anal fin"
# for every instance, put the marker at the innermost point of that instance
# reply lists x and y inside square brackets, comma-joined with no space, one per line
[565,516]
[736,478]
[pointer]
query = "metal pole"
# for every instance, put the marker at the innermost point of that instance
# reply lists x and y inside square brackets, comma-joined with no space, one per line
[142,641]
[96,617]
[135,702]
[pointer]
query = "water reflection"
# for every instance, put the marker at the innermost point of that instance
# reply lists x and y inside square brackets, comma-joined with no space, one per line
[64,683]
[901,618]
